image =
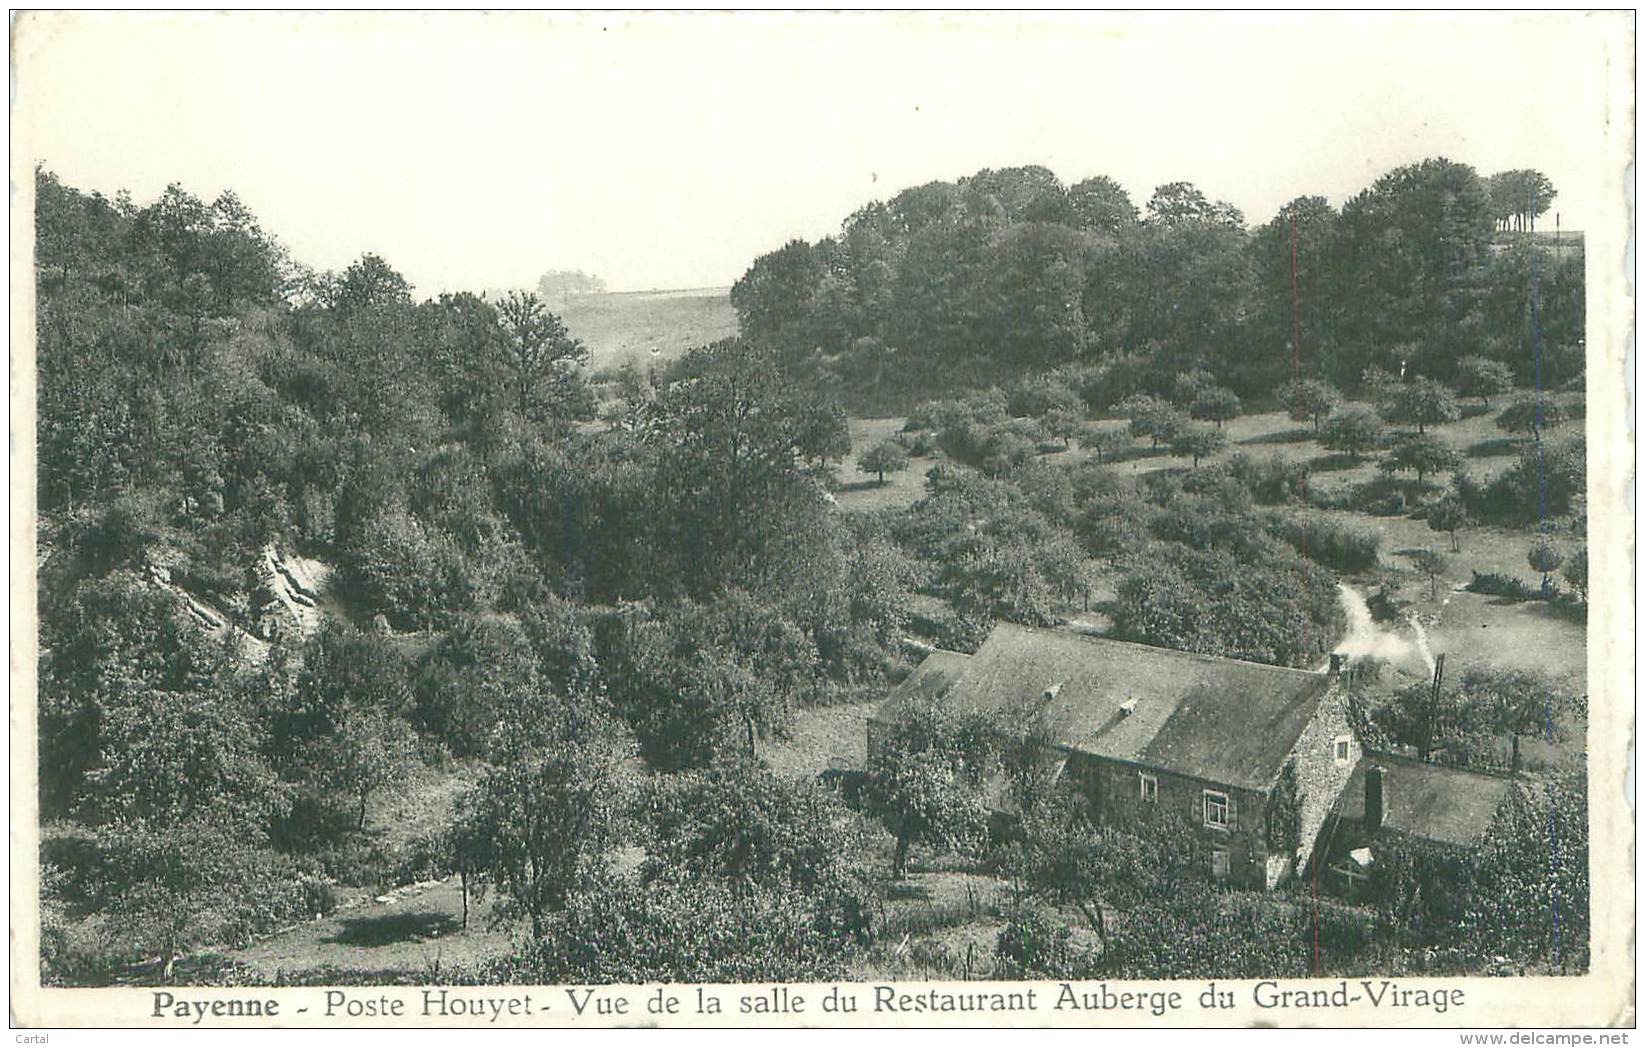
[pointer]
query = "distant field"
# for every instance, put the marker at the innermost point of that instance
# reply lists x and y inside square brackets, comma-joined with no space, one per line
[648,325]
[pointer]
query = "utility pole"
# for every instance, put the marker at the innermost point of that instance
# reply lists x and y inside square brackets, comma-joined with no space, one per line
[1433,707]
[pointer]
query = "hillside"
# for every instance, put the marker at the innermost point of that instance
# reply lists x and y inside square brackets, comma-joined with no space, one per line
[647,325]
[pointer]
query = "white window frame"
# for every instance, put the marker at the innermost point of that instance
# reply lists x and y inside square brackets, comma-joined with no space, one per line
[1205,806]
[1148,787]
[1342,749]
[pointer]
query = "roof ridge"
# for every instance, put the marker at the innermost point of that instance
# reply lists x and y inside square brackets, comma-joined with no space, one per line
[1200,656]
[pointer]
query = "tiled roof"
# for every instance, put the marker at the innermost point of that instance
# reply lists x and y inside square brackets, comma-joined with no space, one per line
[1217,719]
[1431,802]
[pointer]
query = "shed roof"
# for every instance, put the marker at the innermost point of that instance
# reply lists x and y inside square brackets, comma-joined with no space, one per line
[1222,720]
[1431,802]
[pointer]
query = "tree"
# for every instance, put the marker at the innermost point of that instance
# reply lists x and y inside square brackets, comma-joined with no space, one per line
[729,435]
[1102,441]
[548,803]
[1516,702]
[1065,859]
[926,779]
[885,457]
[1483,377]
[1101,205]
[1519,197]
[1576,570]
[1308,400]
[1198,442]
[1532,414]
[1422,454]
[1448,514]
[1245,596]
[1433,565]
[1531,898]
[1216,404]
[738,823]
[370,748]
[1354,431]
[1152,417]
[1063,423]
[1425,403]
[541,353]
[1544,557]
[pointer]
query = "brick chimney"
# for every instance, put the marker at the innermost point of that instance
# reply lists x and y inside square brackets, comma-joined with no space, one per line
[1376,798]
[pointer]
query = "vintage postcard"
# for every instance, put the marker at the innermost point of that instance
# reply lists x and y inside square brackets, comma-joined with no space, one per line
[822,519]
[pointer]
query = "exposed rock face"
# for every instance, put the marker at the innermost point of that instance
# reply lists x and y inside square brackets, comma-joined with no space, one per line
[288,592]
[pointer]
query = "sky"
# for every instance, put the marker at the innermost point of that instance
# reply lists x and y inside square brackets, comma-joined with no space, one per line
[476,151]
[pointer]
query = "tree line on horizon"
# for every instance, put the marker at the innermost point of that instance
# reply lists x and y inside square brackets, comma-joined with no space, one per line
[1009,270]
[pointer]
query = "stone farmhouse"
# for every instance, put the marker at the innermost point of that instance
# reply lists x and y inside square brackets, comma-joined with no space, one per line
[1255,756]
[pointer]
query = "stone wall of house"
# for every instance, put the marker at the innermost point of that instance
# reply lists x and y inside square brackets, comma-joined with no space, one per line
[1320,775]
[1115,792]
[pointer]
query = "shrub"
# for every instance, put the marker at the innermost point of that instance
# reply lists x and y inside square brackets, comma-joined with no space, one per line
[1336,544]
[1271,479]
[1035,944]
[1496,584]
[1542,484]
[695,930]
[919,443]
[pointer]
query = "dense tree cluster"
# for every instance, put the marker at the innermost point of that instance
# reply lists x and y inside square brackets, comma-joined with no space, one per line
[1009,270]
[550,593]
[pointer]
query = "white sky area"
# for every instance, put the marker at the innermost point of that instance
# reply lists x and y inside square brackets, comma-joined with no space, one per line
[667,151]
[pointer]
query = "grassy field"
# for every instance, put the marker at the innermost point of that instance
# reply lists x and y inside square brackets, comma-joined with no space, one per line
[862,492]
[645,326]
[418,929]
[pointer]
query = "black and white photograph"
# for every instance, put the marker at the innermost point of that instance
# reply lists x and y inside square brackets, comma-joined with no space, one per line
[846,518]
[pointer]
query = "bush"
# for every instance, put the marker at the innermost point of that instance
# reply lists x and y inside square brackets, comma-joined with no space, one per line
[1544,483]
[1271,480]
[1496,584]
[1261,602]
[319,896]
[1034,944]
[697,930]
[920,443]
[1336,544]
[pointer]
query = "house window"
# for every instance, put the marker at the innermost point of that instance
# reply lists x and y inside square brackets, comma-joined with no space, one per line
[1216,809]
[1219,863]
[1149,786]
[1339,749]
